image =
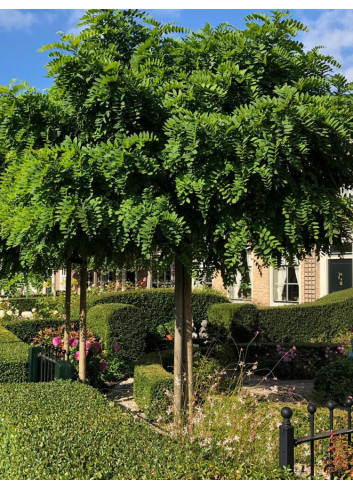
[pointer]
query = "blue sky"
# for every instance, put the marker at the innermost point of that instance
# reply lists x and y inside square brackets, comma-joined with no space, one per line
[22,32]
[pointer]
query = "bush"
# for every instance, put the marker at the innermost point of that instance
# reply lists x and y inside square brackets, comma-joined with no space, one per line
[27,329]
[285,361]
[322,320]
[103,443]
[238,321]
[158,305]
[120,324]
[13,358]
[43,306]
[335,381]
[153,384]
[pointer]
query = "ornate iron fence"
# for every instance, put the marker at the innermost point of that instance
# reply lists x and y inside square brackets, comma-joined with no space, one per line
[287,441]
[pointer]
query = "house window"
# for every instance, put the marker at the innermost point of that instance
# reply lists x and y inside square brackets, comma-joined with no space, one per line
[63,272]
[286,282]
[236,292]
[162,278]
[205,280]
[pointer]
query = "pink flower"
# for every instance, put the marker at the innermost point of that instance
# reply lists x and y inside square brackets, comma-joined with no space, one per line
[73,342]
[116,347]
[103,366]
[56,341]
[88,345]
[77,355]
[96,346]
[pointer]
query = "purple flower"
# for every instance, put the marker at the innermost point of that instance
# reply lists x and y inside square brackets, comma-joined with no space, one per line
[56,341]
[116,347]
[103,366]
[77,355]
[96,346]
[73,342]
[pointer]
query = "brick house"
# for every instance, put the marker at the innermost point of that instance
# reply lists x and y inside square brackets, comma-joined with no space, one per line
[306,281]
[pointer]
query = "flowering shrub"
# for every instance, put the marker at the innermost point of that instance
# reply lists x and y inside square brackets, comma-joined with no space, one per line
[341,465]
[100,365]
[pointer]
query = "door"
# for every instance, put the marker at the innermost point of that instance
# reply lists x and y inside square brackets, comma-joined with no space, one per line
[339,274]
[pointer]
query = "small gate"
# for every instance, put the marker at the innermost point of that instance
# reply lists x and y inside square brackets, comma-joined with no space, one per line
[47,362]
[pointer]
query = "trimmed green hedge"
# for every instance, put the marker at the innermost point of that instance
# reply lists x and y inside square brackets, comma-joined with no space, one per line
[13,357]
[238,321]
[158,305]
[120,324]
[153,384]
[27,329]
[304,322]
[335,381]
[66,430]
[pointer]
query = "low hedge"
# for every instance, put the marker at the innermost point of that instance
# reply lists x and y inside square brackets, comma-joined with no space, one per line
[305,322]
[153,384]
[158,305]
[13,357]
[335,381]
[37,442]
[120,324]
[238,321]
[27,329]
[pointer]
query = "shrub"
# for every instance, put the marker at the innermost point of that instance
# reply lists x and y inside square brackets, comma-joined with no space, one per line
[158,305]
[120,324]
[13,357]
[236,320]
[153,384]
[305,322]
[99,442]
[335,381]
[27,330]
[42,306]
[285,361]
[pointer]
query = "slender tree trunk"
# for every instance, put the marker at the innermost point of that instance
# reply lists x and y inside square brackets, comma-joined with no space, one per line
[149,280]
[67,307]
[183,378]
[83,322]
[53,283]
[123,279]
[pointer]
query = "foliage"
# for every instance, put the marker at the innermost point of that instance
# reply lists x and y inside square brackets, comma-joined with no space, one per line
[153,385]
[119,324]
[237,321]
[158,305]
[13,357]
[27,330]
[283,361]
[306,322]
[336,381]
[104,443]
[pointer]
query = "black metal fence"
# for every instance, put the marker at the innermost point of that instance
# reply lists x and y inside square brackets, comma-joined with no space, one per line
[287,441]
[47,362]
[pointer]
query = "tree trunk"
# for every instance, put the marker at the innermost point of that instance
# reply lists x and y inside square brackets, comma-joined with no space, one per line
[53,283]
[183,389]
[123,279]
[67,307]
[83,322]
[149,280]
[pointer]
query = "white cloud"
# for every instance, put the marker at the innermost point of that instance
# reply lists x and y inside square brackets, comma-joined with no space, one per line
[73,19]
[333,30]
[16,19]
